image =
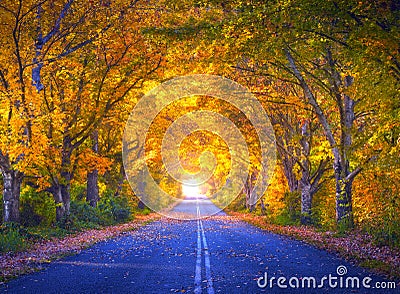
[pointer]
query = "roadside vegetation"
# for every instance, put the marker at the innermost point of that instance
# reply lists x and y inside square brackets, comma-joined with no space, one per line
[39,220]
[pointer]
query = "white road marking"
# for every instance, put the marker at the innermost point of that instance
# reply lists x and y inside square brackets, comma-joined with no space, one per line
[197,277]
[210,289]
[201,236]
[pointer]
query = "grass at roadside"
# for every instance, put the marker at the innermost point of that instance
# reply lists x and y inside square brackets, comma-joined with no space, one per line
[58,244]
[356,247]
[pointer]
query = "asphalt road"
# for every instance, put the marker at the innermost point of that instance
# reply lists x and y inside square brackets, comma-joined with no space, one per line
[213,255]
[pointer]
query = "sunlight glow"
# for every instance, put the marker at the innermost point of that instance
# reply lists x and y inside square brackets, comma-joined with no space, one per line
[191,191]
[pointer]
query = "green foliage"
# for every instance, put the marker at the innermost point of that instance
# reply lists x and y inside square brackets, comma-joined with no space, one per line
[82,215]
[109,211]
[323,208]
[36,208]
[78,192]
[376,265]
[144,211]
[292,205]
[385,231]
[377,209]
[238,204]
[386,228]
[284,219]
[291,213]
[12,238]
[115,208]
[344,225]
[48,232]
[29,217]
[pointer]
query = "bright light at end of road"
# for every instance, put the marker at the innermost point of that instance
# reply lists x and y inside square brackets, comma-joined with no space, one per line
[191,191]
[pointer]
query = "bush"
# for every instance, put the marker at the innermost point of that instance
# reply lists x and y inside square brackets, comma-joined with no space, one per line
[110,210]
[36,208]
[12,238]
[292,202]
[78,192]
[291,213]
[385,231]
[282,219]
[115,208]
[29,217]
[82,215]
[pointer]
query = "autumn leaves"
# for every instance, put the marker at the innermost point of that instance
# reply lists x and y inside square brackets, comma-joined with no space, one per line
[67,72]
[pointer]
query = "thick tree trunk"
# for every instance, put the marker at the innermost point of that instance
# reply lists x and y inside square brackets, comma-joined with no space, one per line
[61,187]
[60,208]
[306,203]
[251,196]
[249,193]
[344,186]
[62,198]
[309,185]
[64,189]
[66,197]
[344,179]
[11,192]
[92,188]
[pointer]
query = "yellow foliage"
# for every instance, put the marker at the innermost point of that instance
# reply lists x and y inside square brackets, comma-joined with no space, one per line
[275,192]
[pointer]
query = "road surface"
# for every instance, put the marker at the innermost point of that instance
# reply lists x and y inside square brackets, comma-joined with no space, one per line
[213,255]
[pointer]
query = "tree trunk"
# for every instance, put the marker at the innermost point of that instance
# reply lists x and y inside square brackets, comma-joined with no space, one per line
[288,171]
[249,192]
[344,178]
[286,152]
[344,185]
[61,187]
[60,208]
[306,202]
[92,188]
[263,206]
[64,189]
[305,181]
[66,197]
[62,199]
[11,192]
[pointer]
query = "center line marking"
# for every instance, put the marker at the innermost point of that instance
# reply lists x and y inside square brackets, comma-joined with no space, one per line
[197,278]
[201,236]
[210,289]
